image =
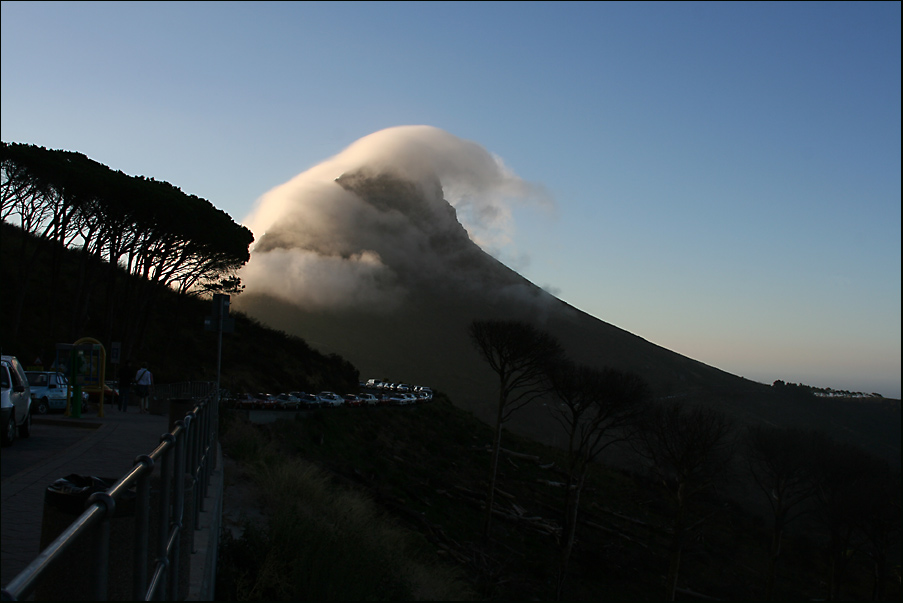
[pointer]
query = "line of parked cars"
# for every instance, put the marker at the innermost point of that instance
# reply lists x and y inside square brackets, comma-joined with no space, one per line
[327,399]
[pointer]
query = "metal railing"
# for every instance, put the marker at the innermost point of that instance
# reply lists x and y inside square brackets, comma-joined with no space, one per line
[186,456]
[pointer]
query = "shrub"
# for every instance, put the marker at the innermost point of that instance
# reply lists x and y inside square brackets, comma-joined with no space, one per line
[321,541]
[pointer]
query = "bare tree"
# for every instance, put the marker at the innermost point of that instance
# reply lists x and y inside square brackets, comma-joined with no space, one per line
[595,406]
[847,478]
[780,462]
[689,449]
[880,524]
[521,355]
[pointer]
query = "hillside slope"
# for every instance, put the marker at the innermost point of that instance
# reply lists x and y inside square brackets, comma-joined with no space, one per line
[441,281]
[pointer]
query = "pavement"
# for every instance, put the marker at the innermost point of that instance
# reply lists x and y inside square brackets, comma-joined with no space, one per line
[91,445]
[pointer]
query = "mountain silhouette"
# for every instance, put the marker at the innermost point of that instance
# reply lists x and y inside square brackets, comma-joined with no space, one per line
[421,281]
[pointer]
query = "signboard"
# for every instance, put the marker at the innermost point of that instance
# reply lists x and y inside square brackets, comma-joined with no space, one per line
[220,320]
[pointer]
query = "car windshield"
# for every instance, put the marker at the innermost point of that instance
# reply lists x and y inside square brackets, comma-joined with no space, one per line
[4,377]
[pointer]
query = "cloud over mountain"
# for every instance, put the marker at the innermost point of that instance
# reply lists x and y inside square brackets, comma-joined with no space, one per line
[364,227]
[364,256]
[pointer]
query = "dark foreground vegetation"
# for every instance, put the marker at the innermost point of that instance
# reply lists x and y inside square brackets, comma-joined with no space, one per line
[420,472]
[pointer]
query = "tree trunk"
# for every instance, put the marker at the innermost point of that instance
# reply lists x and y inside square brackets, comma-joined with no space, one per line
[676,547]
[572,507]
[493,472]
[776,537]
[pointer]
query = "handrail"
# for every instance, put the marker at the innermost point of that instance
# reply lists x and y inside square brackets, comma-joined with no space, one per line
[185,453]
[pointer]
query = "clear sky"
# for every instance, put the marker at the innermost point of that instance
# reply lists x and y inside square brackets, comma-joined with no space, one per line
[725,176]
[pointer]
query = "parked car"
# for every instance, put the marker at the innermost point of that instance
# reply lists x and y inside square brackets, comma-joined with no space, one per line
[369,399]
[330,399]
[398,399]
[246,401]
[49,390]
[286,401]
[111,392]
[267,401]
[15,400]
[353,400]
[309,400]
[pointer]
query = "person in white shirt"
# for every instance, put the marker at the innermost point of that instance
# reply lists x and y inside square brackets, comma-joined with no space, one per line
[143,382]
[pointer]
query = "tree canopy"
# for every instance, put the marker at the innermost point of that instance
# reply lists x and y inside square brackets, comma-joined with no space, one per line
[115,224]
[148,227]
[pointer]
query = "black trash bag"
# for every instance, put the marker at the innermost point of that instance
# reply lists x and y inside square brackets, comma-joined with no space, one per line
[70,494]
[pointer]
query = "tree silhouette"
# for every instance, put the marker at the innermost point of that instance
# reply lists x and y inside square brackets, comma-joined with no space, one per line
[595,406]
[880,524]
[847,480]
[521,355]
[689,448]
[117,222]
[780,463]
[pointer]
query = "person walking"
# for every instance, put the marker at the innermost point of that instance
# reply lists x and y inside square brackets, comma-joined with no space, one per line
[125,382]
[143,382]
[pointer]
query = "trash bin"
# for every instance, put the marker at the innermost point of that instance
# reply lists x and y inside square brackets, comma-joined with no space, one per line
[71,577]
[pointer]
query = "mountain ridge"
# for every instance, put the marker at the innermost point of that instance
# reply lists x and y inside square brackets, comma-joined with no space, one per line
[448,281]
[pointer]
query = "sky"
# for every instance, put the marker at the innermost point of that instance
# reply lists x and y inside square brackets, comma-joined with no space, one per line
[722,179]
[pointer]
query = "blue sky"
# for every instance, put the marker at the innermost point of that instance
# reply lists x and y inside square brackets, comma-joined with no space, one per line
[725,176]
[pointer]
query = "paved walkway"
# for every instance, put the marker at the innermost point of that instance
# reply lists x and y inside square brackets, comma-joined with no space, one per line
[107,449]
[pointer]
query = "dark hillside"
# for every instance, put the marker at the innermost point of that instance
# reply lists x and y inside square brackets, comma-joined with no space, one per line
[175,344]
[426,467]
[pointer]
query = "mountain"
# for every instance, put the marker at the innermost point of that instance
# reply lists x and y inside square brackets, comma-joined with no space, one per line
[407,281]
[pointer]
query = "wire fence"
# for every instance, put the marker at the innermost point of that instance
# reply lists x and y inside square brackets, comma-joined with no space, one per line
[166,490]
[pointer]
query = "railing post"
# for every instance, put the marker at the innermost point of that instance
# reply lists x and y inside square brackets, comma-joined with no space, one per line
[166,478]
[142,528]
[194,435]
[101,568]
[182,442]
[200,482]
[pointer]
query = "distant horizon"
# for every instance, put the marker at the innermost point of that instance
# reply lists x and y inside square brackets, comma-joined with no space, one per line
[765,379]
[720,179]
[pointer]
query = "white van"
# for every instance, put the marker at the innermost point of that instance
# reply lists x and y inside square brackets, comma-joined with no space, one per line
[15,400]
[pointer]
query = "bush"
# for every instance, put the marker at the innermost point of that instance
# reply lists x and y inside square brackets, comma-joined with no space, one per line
[320,541]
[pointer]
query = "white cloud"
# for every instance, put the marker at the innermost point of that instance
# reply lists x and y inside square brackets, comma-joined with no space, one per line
[312,233]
